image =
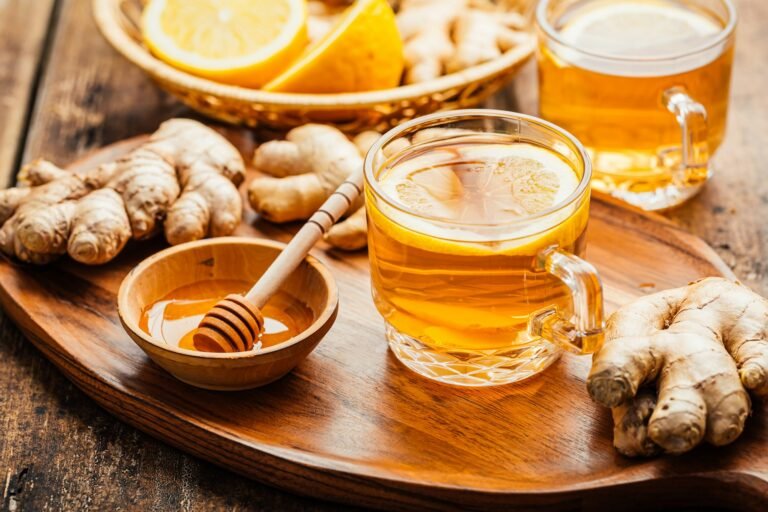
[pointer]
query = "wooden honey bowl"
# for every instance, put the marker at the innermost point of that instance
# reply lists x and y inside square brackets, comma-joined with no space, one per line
[231,258]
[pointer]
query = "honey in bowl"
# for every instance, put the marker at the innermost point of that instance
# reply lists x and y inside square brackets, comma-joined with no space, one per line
[175,317]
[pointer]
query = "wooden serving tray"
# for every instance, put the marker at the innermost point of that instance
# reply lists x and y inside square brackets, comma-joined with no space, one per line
[351,424]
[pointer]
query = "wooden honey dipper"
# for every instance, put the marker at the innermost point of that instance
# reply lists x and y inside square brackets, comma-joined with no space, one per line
[235,322]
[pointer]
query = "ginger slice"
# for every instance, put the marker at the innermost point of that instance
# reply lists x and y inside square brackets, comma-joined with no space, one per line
[702,347]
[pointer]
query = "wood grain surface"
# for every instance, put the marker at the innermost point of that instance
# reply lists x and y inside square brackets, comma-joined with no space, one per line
[25,27]
[58,449]
[418,445]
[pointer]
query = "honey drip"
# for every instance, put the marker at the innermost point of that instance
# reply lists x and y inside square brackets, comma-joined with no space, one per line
[175,316]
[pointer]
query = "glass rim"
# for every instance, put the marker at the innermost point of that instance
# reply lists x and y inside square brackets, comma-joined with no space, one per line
[453,115]
[727,31]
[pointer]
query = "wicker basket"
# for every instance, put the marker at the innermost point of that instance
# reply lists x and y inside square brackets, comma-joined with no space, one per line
[118,22]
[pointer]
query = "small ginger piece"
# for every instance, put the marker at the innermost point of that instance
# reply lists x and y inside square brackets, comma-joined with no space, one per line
[185,173]
[352,233]
[322,158]
[676,366]
[303,171]
[316,154]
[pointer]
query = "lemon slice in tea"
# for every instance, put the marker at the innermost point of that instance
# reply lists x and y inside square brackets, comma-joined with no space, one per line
[484,193]
[486,184]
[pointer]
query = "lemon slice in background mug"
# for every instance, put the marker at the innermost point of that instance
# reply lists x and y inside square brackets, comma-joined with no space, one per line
[638,28]
[239,42]
[363,52]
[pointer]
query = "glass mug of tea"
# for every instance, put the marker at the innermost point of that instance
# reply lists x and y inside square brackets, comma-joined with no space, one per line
[476,228]
[644,86]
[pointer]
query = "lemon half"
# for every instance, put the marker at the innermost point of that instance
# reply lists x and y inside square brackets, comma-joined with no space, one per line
[363,52]
[239,42]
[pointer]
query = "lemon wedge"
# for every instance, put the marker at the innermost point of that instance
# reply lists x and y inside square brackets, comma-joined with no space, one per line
[363,52]
[239,42]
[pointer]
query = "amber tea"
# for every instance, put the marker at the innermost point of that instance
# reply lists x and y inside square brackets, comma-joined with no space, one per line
[455,254]
[175,317]
[644,86]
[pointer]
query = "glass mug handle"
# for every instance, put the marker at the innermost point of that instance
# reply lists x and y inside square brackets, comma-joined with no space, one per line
[692,118]
[585,334]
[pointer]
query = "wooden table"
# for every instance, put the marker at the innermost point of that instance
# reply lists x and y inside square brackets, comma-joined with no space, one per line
[65,92]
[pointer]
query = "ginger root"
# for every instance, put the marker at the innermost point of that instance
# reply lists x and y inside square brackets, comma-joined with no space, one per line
[307,167]
[185,174]
[302,171]
[702,347]
[446,36]
[352,233]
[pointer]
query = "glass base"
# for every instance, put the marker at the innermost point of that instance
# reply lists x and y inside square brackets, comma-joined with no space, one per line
[646,180]
[472,368]
[658,199]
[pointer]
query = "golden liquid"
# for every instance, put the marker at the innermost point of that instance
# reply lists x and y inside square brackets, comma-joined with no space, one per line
[175,317]
[465,295]
[633,139]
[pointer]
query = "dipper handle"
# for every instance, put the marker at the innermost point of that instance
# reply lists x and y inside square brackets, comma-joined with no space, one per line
[306,238]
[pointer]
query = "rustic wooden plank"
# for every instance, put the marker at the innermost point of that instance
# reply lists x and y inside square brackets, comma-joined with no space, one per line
[89,95]
[23,25]
[58,450]
[730,213]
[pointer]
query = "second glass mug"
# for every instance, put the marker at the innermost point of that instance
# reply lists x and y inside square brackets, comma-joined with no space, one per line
[477,300]
[651,108]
